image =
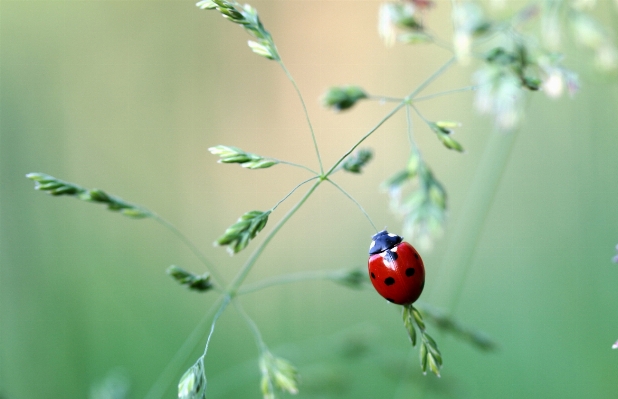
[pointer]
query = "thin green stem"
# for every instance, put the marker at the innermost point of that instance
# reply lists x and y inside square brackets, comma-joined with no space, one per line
[289,278]
[159,387]
[438,41]
[292,192]
[355,202]
[369,133]
[444,93]
[213,271]
[302,101]
[296,165]
[384,99]
[224,303]
[431,78]
[253,327]
[410,97]
[181,355]
[443,44]
[246,268]
[409,126]
[420,115]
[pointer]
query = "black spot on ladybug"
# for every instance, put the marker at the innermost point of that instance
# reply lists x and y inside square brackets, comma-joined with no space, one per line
[390,300]
[410,271]
[389,281]
[373,275]
[415,255]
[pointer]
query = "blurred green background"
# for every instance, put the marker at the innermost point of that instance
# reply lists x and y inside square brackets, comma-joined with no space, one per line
[128,95]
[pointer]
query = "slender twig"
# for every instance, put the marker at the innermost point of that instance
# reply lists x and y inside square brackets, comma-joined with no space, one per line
[181,355]
[409,126]
[420,115]
[369,133]
[296,165]
[355,202]
[246,268]
[438,41]
[410,97]
[226,301]
[431,78]
[444,93]
[384,98]
[169,226]
[289,278]
[292,192]
[233,287]
[252,326]
[302,101]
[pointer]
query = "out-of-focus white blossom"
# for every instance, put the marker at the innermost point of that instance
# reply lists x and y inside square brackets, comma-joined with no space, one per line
[553,85]
[386,25]
[499,94]
[469,21]
[394,17]
[555,77]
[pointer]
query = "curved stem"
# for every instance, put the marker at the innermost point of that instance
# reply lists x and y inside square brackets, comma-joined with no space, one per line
[296,165]
[444,93]
[385,99]
[215,275]
[254,328]
[431,78]
[226,301]
[355,202]
[292,192]
[244,271]
[420,115]
[188,346]
[369,133]
[302,101]
[409,126]
[438,41]
[310,275]
[406,100]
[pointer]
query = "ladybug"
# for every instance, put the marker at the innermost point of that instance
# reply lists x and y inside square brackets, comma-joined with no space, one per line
[396,269]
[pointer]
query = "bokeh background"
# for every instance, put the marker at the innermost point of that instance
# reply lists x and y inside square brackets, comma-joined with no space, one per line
[127,96]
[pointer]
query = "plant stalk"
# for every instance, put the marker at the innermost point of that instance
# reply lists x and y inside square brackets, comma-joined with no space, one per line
[244,271]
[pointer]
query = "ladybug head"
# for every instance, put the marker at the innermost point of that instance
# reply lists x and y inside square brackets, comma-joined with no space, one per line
[383,241]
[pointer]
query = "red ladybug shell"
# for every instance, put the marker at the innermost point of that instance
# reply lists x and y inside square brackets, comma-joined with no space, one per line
[397,273]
